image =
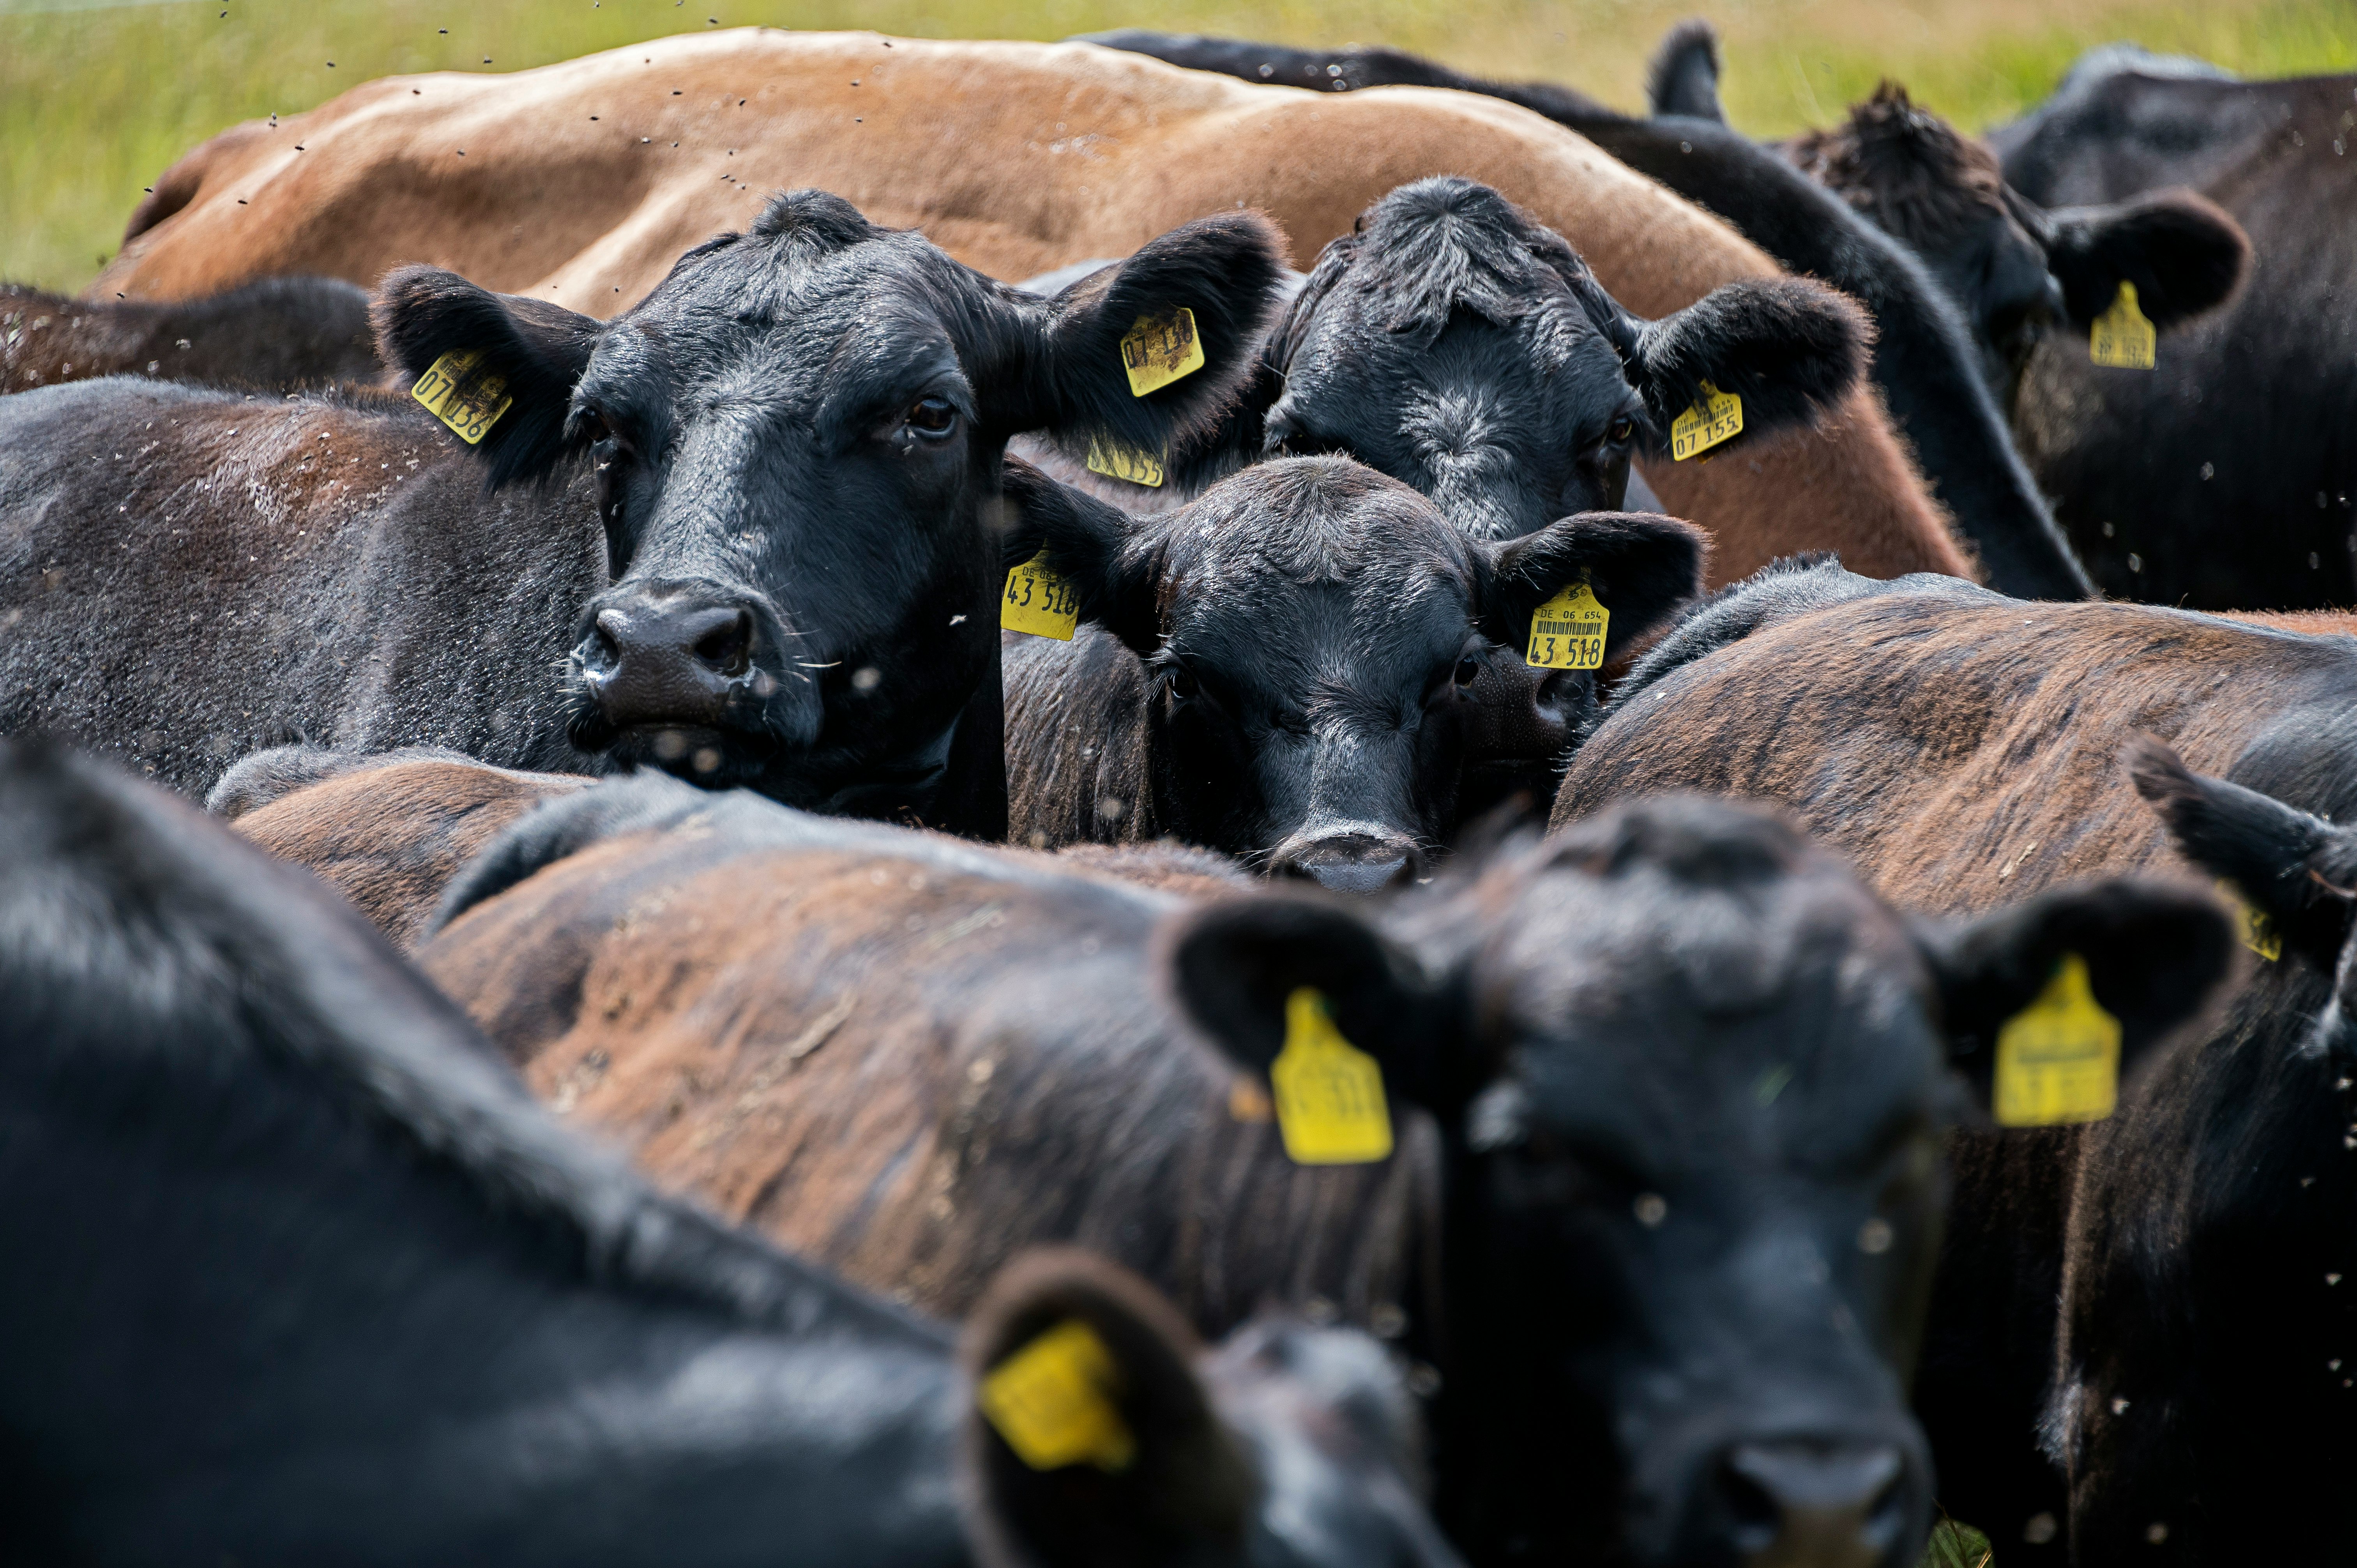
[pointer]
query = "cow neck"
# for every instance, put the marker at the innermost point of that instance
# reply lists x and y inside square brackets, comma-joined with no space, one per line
[907,784]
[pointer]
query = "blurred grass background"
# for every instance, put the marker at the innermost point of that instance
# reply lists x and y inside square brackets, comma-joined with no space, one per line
[96,99]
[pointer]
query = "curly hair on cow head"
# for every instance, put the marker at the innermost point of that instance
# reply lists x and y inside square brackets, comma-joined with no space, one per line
[1909,170]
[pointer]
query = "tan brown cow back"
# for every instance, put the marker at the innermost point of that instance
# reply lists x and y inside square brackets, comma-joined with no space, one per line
[582,183]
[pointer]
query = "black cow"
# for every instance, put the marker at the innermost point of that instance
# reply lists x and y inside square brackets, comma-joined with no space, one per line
[1294,667]
[299,1275]
[750,530]
[2225,478]
[274,335]
[1925,364]
[2018,270]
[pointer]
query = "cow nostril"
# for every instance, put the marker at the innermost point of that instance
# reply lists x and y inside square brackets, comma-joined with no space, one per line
[1755,1517]
[608,627]
[729,648]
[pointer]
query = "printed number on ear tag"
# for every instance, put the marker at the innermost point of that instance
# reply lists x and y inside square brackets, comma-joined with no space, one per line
[1330,1094]
[1038,601]
[2121,338]
[2258,932]
[1568,631]
[1718,417]
[1159,349]
[1115,461]
[473,416]
[1052,1401]
[2058,1059]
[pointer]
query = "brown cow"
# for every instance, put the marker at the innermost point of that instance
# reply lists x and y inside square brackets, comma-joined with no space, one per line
[1964,748]
[582,183]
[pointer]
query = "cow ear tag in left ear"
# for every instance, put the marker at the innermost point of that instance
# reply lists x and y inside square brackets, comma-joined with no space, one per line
[471,417]
[2058,1059]
[2121,338]
[1036,600]
[1159,349]
[1715,417]
[1052,1400]
[1330,1094]
[1568,631]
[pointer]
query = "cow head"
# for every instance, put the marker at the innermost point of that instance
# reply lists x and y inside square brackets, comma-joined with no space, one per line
[1693,1082]
[2016,269]
[795,443]
[1315,638]
[1461,347]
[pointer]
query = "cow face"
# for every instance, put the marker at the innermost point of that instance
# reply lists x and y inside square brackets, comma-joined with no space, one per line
[1458,347]
[1693,1082]
[795,442]
[1315,638]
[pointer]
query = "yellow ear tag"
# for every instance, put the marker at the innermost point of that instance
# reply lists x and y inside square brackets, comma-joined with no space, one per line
[1568,631]
[1115,461]
[1052,1401]
[438,389]
[1038,601]
[1159,349]
[2058,1059]
[1718,417]
[2258,932]
[1330,1094]
[2121,336]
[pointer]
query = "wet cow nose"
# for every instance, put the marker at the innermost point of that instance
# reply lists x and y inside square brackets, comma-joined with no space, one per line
[670,660]
[1352,861]
[1796,1505]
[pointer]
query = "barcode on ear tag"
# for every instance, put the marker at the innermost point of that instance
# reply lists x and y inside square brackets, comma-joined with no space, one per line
[2058,1059]
[2258,933]
[1330,1094]
[1717,418]
[1115,461]
[1038,601]
[2121,338]
[1159,349]
[1052,1400]
[471,417]
[1568,631]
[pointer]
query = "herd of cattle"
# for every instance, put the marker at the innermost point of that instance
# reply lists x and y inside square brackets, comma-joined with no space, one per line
[832,610]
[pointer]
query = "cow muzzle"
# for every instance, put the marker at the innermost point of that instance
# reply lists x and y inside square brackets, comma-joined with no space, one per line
[1812,1505]
[671,655]
[1353,860]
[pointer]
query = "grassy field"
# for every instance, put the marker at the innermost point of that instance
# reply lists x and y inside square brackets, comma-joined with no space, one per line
[95,100]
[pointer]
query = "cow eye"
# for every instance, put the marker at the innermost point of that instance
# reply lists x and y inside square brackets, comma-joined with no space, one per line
[1468,668]
[1621,429]
[933,417]
[1182,682]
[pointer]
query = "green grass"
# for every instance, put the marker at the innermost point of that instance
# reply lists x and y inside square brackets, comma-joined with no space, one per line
[96,99]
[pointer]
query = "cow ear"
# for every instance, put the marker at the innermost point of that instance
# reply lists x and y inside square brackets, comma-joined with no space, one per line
[1236,964]
[535,349]
[2155,956]
[1641,566]
[1096,547]
[1787,346]
[2184,254]
[2294,869]
[1226,271]
[1684,75]
[1091,1440]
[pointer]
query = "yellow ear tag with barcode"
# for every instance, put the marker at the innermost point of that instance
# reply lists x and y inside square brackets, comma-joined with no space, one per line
[1330,1093]
[1568,631]
[471,417]
[2121,338]
[2058,1059]
[2258,932]
[1115,461]
[1718,417]
[1052,1400]
[1159,349]
[1038,601]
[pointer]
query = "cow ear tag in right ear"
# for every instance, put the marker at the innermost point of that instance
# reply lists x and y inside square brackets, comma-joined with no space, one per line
[1718,417]
[2058,1059]
[1330,1094]
[1038,601]
[2121,338]
[470,417]
[2258,933]
[1052,1400]
[1568,631]
[1159,349]
[1115,461]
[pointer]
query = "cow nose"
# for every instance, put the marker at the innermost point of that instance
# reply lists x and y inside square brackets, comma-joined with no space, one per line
[1796,1505]
[1352,861]
[667,659]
